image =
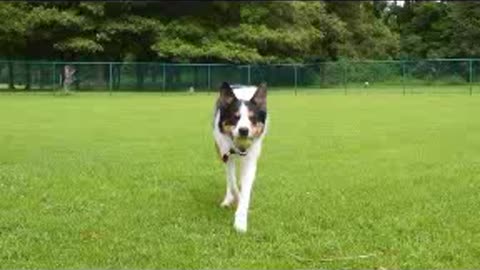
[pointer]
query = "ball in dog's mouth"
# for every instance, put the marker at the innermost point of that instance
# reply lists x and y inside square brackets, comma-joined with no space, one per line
[243,143]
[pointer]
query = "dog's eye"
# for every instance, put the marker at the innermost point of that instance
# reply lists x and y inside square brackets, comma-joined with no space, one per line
[234,118]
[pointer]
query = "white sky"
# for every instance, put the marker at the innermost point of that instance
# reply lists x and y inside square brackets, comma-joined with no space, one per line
[399,2]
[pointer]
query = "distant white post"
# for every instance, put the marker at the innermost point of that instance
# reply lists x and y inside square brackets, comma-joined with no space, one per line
[68,72]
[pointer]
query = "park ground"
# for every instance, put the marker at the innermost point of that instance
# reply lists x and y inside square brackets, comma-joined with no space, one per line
[132,180]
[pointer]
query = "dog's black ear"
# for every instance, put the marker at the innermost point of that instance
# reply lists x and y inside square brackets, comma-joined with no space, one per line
[226,94]
[260,97]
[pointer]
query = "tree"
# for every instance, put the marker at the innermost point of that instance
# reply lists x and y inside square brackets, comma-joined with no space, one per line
[367,36]
[236,32]
[255,33]
[464,30]
[425,35]
[12,34]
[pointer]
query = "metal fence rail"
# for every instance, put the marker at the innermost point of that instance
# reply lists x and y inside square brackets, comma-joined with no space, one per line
[457,75]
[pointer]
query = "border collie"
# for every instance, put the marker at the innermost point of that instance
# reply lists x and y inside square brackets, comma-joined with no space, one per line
[240,124]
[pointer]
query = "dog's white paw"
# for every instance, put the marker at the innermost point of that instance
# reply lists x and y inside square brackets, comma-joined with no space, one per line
[229,200]
[240,224]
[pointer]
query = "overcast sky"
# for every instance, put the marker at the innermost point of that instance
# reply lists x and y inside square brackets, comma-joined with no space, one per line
[399,2]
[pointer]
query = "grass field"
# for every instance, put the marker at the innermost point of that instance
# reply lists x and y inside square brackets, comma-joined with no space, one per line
[132,181]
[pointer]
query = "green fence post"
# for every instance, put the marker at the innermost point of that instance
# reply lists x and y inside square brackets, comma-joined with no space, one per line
[54,77]
[249,75]
[403,77]
[295,77]
[471,75]
[110,78]
[209,79]
[345,78]
[163,78]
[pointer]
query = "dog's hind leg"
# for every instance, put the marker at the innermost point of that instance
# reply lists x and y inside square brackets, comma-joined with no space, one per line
[231,196]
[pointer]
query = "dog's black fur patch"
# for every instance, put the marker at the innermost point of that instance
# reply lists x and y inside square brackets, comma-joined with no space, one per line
[229,114]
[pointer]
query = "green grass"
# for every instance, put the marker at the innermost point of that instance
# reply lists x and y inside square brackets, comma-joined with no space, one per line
[132,181]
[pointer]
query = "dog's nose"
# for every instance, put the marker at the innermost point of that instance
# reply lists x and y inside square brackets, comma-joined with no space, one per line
[243,131]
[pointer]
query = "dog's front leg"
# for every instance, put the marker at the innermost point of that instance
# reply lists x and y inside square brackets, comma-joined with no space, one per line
[232,190]
[247,176]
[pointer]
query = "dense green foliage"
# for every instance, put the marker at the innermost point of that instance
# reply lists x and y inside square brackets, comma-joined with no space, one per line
[236,32]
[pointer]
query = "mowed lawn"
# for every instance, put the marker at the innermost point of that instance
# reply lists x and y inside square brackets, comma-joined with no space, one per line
[133,181]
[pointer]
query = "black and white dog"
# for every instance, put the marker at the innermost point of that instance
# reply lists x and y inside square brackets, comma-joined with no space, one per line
[240,116]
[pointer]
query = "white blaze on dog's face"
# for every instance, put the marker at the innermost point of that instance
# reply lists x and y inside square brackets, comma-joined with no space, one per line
[243,110]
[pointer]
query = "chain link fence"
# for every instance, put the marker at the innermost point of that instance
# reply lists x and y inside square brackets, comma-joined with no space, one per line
[407,77]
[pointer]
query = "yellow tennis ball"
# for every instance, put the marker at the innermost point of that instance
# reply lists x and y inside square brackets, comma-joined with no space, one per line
[243,143]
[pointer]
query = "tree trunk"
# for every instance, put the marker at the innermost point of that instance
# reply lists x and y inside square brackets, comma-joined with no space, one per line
[76,81]
[140,76]
[195,80]
[41,74]
[116,75]
[102,72]
[11,78]
[28,75]
[154,70]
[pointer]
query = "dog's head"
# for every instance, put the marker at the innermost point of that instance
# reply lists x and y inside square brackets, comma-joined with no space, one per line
[242,117]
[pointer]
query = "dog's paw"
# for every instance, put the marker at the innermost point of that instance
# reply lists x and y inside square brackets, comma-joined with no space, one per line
[229,200]
[240,224]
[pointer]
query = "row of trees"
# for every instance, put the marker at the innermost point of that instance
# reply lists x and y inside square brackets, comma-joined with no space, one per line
[243,32]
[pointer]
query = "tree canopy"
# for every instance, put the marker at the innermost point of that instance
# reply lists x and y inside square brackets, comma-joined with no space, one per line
[238,32]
